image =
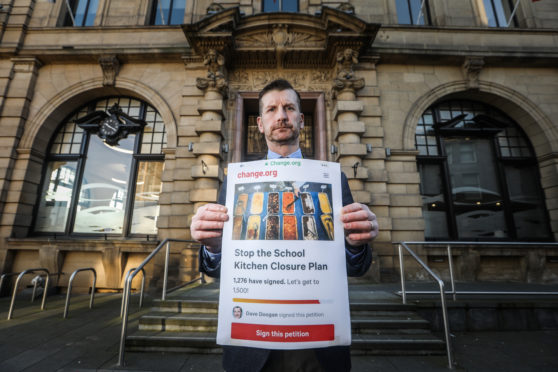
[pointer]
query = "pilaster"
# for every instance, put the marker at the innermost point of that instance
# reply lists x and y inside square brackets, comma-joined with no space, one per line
[205,132]
[19,93]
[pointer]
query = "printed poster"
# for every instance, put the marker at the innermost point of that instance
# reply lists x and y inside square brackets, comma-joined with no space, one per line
[283,274]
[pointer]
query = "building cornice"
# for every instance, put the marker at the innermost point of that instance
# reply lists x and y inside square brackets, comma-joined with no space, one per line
[280,40]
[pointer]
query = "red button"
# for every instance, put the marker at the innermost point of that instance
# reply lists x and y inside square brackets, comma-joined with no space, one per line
[282,333]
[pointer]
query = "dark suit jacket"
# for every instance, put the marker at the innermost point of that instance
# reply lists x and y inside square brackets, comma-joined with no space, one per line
[247,359]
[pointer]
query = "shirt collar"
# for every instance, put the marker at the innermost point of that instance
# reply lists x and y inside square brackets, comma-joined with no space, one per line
[273,155]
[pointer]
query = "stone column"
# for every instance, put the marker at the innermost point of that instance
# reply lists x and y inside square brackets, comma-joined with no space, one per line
[207,172]
[17,14]
[349,129]
[361,150]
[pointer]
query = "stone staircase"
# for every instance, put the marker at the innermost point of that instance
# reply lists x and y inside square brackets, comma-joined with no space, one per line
[381,325]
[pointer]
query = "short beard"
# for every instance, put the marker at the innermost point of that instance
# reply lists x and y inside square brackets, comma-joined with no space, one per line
[288,141]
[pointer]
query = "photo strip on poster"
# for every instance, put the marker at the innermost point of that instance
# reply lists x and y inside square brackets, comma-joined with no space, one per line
[293,211]
[283,275]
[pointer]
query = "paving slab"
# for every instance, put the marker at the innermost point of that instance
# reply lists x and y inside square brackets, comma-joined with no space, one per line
[88,341]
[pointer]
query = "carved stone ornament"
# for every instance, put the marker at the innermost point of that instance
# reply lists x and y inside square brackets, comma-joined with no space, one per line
[347,8]
[280,36]
[471,69]
[284,40]
[345,79]
[214,8]
[110,66]
[215,78]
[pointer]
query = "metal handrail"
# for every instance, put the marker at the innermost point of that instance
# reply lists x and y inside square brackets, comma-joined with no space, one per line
[68,294]
[442,296]
[12,303]
[128,283]
[124,290]
[454,292]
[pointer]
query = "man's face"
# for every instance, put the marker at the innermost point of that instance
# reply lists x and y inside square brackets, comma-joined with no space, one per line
[280,120]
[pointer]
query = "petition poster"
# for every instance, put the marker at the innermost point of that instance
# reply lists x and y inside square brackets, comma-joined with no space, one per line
[283,275]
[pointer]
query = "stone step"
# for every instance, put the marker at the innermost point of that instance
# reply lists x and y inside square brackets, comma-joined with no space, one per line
[191,342]
[373,344]
[397,344]
[388,323]
[379,306]
[186,306]
[179,322]
[210,306]
[204,322]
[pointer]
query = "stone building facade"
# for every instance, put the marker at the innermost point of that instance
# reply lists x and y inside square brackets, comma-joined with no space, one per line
[372,75]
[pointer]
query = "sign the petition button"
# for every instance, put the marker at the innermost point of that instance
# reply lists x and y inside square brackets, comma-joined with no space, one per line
[282,333]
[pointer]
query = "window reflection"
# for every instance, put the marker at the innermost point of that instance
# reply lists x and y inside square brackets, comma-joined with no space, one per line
[527,201]
[146,200]
[412,12]
[54,206]
[433,201]
[168,12]
[475,189]
[104,189]
[498,13]
[81,12]
[280,6]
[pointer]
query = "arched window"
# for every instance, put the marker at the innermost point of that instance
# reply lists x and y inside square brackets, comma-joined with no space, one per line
[479,178]
[92,187]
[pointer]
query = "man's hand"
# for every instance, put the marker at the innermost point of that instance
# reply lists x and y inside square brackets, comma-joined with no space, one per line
[207,226]
[359,223]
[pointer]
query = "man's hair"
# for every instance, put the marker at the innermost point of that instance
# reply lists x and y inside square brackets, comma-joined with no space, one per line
[280,85]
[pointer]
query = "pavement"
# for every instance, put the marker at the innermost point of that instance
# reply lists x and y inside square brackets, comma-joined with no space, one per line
[88,340]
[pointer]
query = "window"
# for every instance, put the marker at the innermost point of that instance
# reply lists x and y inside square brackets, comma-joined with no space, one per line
[168,12]
[500,13]
[412,12]
[90,187]
[280,6]
[472,162]
[80,12]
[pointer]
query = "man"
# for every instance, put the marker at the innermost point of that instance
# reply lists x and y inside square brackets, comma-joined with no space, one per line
[280,121]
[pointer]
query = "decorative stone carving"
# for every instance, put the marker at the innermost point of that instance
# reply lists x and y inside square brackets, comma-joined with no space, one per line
[293,41]
[346,79]
[345,61]
[215,78]
[214,8]
[347,8]
[471,69]
[280,36]
[261,78]
[320,76]
[110,66]
[303,80]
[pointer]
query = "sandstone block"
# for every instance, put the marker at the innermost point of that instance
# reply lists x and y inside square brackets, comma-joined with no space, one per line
[204,195]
